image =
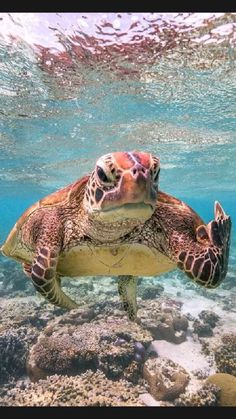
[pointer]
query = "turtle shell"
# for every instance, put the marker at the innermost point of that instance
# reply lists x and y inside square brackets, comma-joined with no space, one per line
[57,198]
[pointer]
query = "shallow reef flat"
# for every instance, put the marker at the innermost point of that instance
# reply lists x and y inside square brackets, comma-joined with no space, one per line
[181,351]
[88,389]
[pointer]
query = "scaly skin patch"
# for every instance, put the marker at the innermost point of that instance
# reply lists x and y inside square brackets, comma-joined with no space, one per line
[127,288]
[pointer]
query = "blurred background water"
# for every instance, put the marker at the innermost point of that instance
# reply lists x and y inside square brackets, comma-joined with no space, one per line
[74,86]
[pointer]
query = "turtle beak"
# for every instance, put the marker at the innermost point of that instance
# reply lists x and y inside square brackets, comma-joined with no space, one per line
[136,187]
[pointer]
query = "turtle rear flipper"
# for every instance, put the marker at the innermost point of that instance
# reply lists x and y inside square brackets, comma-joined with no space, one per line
[127,288]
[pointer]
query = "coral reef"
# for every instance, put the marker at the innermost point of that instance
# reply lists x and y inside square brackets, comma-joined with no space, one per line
[225,354]
[133,372]
[162,321]
[209,317]
[180,322]
[147,292]
[201,373]
[12,383]
[166,379]
[229,339]
[28,311]
[207,322]
[105,308]
[139,352]
[88,389]
[31,313]
[83,286]
[208,395]
[13,281]
[77,316]
[13,352]
[72,349]
[227,385]
[202,329]
[88,290]
[229,300]
[27,334]
[95,347]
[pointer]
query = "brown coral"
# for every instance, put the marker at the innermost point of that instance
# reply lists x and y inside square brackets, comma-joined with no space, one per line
[208,395]
[73,349]
[163,323]
[165,378]
[225,354]
[88,389]
[13,352]
[227,385]
[204,327]
[209,317]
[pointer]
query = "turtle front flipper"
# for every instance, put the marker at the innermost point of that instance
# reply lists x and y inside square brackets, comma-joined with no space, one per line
[127,287]
[27,269]
[46,280]
[206,261]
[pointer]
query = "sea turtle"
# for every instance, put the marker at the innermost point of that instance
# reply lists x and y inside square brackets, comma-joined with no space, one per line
[117,222]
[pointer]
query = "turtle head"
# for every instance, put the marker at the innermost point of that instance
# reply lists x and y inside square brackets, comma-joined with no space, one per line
[123,185]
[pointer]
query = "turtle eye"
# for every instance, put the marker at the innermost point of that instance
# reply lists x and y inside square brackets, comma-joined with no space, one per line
[102,175]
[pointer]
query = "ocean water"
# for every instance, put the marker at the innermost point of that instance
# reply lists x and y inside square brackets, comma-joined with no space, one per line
[74,87]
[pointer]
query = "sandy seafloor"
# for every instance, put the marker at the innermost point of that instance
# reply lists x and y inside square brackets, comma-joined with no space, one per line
[178,322]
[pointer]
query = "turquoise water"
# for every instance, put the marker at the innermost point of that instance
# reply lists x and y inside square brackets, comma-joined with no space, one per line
[71,94]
